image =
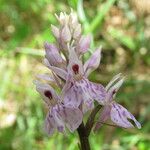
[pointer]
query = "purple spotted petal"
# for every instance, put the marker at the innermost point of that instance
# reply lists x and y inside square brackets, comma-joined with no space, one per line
[97,92]
[72,117]
[88,101]
[50,124]
[104,116]
[73,96]
[56,112]
[120,116]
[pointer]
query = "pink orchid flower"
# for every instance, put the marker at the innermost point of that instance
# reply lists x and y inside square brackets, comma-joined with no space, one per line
[59,115]
[78,90]
[118,114]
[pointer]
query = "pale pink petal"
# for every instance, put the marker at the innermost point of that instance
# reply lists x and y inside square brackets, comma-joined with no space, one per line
[58,71]
[120,116]
[46,77]
[93,62]
[72,117]
[84,44]
[50,124]
[68,85]
[104,116]
[53,55]
[56,111]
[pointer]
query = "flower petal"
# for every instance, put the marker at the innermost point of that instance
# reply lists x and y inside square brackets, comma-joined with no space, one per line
[84,44]
[56,112]
[114,79]
[97,92]
[72,117]
[58,71]
[73,96]
[88,101]
[55,31]
[65,34]
[87,105]
[113,90]
[53,55]
[48,94]
[77,31]
[117,85]
[120,116]
[74,61]
[50,124]
[93,62]
[46,77]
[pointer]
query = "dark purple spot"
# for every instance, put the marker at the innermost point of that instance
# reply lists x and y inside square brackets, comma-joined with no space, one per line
[48,94]
[114,92]
[60,128]
[75,68]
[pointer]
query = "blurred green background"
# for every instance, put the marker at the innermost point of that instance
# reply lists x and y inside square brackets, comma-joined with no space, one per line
[122,27]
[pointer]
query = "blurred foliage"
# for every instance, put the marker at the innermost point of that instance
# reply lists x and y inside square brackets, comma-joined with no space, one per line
[121,27]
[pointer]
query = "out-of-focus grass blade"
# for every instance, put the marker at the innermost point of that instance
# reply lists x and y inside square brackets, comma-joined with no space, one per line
[30,51]
[82,15]
[97,21]
[122,38]
[73,3]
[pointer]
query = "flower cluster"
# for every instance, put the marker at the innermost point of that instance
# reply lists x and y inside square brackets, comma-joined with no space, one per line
[75,94]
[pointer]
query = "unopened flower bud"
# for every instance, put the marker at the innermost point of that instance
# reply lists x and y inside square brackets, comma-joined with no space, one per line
[84,44]
[77,31]
[65,34]
[55,31]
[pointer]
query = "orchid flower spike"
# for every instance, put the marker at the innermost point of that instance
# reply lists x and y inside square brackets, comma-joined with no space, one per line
[64,60]
[118,114]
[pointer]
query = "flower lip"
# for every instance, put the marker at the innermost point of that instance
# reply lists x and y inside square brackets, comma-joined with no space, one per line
[48,94]
[75,68]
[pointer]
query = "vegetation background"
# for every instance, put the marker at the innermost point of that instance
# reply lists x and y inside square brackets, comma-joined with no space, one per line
[122,27]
